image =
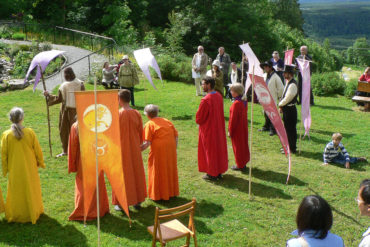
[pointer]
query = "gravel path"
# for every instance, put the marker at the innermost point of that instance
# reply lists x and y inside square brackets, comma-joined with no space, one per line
[81,68]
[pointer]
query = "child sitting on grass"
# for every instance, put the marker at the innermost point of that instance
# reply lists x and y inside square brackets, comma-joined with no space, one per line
[336,153]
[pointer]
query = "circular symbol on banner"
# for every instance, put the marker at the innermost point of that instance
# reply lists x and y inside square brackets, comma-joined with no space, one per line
[102,147]
[263,94]
[104,118]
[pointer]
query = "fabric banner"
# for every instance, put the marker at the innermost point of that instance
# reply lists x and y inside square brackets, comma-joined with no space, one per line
[144,59]
[269,106]
[108,144]
[304,68]
[288,59]
[43,58]
[253,63]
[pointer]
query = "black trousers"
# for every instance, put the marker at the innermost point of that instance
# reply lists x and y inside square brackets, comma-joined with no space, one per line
[132,94]
[268,125]
[290,123]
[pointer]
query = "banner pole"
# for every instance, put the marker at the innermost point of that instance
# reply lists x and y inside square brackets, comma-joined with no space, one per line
[243,66]
[47,109]
[97,163]
[251,139]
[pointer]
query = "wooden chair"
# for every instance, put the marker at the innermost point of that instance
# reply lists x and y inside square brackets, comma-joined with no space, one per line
[174,229]
[365,88]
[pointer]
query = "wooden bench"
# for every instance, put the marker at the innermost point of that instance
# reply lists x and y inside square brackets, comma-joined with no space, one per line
[363,87]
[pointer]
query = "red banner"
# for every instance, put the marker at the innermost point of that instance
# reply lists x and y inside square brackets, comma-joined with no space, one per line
[288,59]
[269,106]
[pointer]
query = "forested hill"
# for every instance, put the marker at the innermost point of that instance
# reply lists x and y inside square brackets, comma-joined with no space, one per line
[341,22]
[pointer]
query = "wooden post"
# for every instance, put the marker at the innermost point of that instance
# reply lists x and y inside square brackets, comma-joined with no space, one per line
[97,164]
[47,109]
[251,139]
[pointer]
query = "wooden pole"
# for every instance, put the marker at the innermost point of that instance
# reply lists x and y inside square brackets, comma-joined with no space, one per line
[97,163]
[47,109]
[251,139]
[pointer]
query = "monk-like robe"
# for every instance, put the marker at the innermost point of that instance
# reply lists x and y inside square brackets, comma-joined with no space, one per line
[2,207]
[212,148]
[67,112]
[74,165]
[21,159]
[163,180]
[131,128]
[238,130]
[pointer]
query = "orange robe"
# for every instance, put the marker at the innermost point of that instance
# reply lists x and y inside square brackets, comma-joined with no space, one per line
[74,165]
[163,180]
[131,126]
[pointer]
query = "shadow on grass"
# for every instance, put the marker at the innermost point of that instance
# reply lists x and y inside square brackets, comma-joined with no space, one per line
[330,107]
[312,155]
[317,140]
[337,211]
[136,89]
[141,219]
[359,166]
[231,182]
[330,133]
[276,177]
[47,231]
[183,117]
[139,108]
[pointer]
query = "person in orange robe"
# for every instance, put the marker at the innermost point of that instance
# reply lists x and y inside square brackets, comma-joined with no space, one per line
[75,165]
[160,134]
[131,126]
[238,127]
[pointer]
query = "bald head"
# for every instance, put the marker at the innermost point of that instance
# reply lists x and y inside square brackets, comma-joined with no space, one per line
[304,50]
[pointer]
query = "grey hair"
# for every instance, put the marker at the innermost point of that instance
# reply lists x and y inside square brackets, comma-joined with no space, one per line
[151,110]
[16,115]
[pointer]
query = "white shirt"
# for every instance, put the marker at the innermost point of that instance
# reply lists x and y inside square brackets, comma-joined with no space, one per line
[234,76]
[366,239]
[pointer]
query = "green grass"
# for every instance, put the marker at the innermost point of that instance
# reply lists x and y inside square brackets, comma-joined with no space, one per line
[225,215]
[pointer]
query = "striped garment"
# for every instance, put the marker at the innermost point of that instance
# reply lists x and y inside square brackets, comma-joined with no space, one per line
[331,152]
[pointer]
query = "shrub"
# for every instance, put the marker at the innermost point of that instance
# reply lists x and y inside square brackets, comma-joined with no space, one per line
[21,63]
[18,36]
[351,87]
[46,46]
[175,67]
[328,83]
[5,32]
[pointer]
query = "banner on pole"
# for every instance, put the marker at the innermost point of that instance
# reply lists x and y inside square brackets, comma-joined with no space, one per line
[304,68]
[253,63]
[288,59]
[269,106]
[144,59]
[108,144]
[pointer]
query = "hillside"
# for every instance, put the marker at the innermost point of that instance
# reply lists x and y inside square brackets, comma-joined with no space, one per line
[341,22]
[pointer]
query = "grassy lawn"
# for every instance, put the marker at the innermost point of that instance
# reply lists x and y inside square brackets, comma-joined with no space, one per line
[225,215]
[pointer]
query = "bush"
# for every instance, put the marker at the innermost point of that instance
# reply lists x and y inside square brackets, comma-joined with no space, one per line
[175,67]
[47,46]
[18,36]
[351,87]
[328,83]
[5,32]
[21,63]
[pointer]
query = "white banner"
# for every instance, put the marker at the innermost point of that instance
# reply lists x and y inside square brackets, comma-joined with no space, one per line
[144,59]
[253,63]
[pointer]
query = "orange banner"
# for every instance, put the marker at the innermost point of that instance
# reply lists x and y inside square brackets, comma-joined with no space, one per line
[108,144]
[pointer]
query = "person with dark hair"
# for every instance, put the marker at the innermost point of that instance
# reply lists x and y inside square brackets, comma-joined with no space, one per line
[363,201]
[212,149]
[131,134]
[21,157]
[288,108]
[162,137]
[67,113]
[314,220]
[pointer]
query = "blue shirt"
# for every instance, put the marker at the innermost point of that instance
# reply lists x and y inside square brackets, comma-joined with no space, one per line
[331,240]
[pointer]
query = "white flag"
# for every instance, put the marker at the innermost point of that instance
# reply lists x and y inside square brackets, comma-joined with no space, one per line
[253,62]
[144,59]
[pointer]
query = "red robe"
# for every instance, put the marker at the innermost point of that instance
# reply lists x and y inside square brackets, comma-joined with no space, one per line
[212,148]
[74,165]
[238,130]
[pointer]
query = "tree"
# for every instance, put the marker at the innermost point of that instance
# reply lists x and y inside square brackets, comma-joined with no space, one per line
[289,12]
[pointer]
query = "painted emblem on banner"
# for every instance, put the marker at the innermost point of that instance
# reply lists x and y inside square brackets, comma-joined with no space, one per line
[104,118]
[263,94]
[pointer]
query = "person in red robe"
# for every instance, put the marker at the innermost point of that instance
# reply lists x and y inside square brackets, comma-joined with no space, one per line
[75,165]
[131,126]
[238,127]
[212,148]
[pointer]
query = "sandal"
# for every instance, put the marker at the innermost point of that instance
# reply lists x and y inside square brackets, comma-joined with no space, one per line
[61,154]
